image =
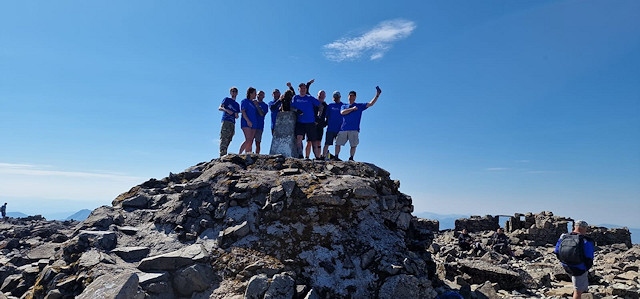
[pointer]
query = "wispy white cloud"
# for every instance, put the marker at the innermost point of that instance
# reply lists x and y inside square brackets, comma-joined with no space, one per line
[46,170]
[375,42]
[497,169]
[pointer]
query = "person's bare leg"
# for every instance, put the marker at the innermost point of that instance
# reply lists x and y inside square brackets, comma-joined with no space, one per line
[257,147]
[307,150]
[353,151]
[316,149]
[247,138]
[299,144]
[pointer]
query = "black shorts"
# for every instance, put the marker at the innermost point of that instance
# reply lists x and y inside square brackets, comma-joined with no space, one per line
[331,136]
[308,130]
[319,133]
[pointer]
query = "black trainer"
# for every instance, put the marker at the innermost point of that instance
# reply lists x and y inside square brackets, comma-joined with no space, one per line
[350,158]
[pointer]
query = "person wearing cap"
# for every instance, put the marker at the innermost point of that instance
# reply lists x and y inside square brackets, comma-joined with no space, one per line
[249,120]
[579,272]
[261,108]
[230,110]
[305,104]
[274,107]
[334,122]
[350,129]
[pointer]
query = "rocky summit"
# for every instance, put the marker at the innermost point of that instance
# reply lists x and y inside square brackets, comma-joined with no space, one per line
[267,226]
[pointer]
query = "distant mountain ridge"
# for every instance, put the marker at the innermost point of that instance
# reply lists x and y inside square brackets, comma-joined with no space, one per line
[80,215]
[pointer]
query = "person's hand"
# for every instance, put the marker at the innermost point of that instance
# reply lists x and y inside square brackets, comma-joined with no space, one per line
[288,84]
[378,90]
[311,81]
[250,124]
[355,108]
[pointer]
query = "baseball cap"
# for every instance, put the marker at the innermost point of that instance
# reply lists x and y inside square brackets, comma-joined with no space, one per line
[336,94]
[581,223]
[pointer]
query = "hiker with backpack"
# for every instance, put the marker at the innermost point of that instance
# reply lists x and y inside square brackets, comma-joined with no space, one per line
[575,252]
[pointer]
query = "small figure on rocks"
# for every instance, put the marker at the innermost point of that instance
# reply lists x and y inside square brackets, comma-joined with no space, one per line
[500,242]
[3,210]
[230,110]
[466,242]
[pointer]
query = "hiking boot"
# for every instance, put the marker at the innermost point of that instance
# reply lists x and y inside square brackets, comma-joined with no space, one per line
[335,158]
[350,158]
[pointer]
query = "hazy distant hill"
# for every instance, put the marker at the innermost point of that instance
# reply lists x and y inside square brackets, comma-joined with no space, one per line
[80,215]
[446,221]
[16,215]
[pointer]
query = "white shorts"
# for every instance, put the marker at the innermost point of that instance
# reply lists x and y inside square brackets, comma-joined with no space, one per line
[351,136]
[581,282]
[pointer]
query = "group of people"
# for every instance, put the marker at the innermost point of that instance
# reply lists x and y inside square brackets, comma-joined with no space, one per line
[342,120]
[575,251]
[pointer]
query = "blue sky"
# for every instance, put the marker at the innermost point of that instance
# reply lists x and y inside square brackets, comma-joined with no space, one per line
[488,107]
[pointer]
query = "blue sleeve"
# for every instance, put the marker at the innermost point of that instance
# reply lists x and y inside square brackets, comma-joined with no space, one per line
[557,249]
[588,249]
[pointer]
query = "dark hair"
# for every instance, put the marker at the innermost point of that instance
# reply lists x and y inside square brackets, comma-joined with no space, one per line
[250,90]
[288,94]
[352,93]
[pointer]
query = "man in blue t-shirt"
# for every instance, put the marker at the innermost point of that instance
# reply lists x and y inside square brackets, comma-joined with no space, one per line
[262,109]
[230,110]
[334,122]
[350,129]
[274,107]
[579,272]
[306,122]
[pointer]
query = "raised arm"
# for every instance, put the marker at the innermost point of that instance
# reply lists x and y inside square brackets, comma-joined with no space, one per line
[375,98]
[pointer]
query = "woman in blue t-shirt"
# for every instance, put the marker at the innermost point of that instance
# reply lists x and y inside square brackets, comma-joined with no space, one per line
[249,120]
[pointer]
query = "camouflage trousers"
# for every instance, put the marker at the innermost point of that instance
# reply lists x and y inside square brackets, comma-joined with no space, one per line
[226,134]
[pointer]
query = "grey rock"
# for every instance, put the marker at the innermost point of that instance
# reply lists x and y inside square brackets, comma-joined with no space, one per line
[282,287]
[257,287]
[121,286]
[194,278]
[174,260]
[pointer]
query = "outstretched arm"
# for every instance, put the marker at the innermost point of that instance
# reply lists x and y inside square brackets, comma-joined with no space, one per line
[309,86]
[291,87]
[375,98]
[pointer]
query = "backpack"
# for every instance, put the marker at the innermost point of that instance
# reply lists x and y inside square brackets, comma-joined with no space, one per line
[571,251]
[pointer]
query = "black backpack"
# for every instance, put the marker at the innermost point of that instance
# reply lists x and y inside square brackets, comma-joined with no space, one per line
[571,251]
